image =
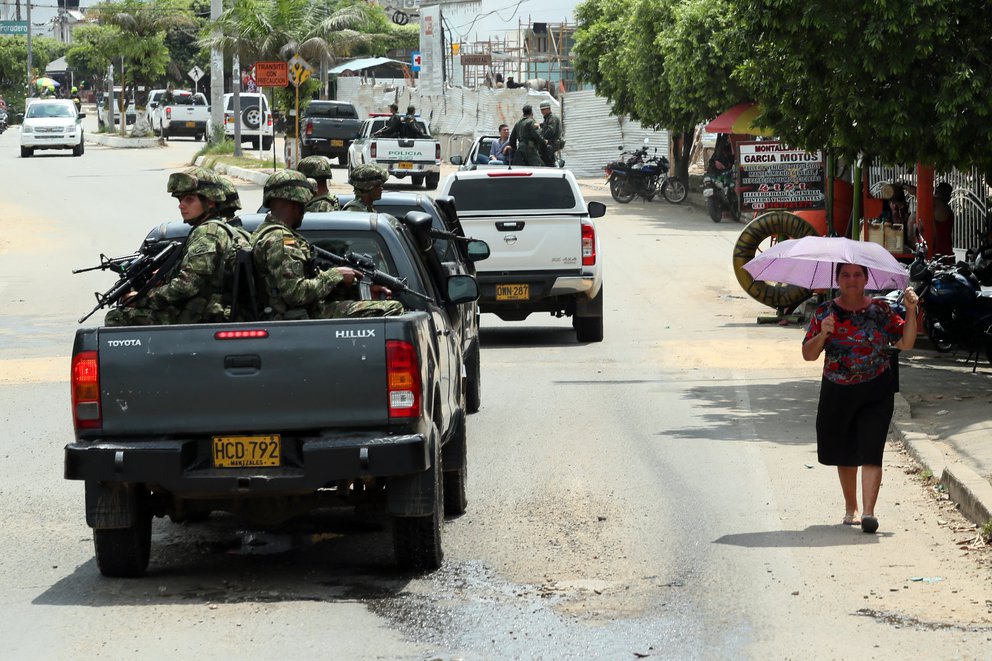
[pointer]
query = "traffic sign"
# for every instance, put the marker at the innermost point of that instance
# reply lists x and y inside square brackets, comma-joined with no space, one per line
[196,73]
[299,70]
[415,61]
[271,74]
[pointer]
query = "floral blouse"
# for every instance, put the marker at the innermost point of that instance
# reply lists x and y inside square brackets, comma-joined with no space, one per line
[856,350]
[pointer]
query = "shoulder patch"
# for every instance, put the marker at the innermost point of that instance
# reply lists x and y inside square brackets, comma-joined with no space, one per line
[288,241]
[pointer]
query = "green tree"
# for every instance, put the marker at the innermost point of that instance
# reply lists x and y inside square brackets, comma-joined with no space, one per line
[13,64]
[905,80]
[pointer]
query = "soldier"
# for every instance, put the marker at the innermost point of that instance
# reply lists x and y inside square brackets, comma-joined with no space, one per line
[367,180]
[526,141]
[392,127]
[288,286]
[408,125]
[200,287]
[229,208]
[318,168]
[551,132]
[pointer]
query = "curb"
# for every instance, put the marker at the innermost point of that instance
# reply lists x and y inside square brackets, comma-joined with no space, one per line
[121,143]
[253,176]
[968,489]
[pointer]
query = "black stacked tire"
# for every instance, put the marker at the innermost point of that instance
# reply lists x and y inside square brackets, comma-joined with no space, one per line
[781,225]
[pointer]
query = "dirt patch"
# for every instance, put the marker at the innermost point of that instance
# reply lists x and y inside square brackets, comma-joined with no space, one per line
[18,371]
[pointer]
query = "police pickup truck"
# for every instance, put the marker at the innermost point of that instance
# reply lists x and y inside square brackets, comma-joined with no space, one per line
[272,420]
[545,248]
[417,158]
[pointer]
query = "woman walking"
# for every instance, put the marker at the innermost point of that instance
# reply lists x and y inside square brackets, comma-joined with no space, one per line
[858,387]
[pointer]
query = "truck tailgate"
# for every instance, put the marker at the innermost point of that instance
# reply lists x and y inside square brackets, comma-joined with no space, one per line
[300,375]
[416,151]
[527,242]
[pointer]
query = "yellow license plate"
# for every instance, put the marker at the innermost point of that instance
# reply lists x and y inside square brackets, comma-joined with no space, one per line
[190,125]
[405,166]
[337,143]
[512,292]
[246,451]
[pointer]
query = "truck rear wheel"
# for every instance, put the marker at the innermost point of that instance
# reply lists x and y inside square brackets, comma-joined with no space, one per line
[417,539]
[430,182]
[266,143]
[417,179]
[455,495]
[124,552]
[473,384]
[589,329]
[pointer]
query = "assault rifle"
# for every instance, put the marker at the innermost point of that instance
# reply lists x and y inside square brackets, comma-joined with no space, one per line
[364,265]
[139,272]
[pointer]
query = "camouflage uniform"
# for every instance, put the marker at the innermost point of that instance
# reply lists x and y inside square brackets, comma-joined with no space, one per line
[200,287]
[317,168]
[288,284]
[364,179]
[551,132]
[530,143]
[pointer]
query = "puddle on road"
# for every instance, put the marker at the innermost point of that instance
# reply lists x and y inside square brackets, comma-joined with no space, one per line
[904,622]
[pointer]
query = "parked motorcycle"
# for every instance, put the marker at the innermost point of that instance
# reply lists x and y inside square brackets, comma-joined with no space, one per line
[956,312]
[720,193]
[3,120]
[634,173]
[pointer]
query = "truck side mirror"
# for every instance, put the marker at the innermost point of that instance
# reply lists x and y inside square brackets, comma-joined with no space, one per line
[456,160]
[419,224]
[596,209]
[477,250]
[462,289]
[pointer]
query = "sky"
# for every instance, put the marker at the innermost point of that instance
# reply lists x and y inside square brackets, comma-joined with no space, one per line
[497,18]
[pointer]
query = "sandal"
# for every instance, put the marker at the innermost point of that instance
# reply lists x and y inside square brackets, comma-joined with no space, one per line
[869,524]
[851,520]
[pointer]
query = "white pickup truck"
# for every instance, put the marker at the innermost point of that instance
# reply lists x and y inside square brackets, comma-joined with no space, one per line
[186,114]
[545,254]
[419,159]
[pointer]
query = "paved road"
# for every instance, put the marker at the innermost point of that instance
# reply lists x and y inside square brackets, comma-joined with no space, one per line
[656,494]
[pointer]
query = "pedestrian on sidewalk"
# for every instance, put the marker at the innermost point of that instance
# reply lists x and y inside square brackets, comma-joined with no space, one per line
[857,392]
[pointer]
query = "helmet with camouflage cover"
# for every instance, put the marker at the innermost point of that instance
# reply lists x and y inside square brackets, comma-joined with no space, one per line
[287,185]
[196,181]
[313,185]
[365,178]
[232,201]
[315,167]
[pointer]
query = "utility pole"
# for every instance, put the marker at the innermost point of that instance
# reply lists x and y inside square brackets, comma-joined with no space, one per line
[28,3]
[216,76]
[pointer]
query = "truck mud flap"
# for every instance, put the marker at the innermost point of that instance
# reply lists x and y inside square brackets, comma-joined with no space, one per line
[110,504]
[413,495]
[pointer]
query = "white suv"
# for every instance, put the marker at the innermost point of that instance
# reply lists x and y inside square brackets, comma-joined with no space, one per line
[256,119]
[52,124]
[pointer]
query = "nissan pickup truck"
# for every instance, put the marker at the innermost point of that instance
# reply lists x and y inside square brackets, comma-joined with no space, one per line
[417,158]
[329,128]
[272,420]
[546,253]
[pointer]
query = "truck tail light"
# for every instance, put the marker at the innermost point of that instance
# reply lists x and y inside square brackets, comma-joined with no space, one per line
[86,391]
[372,150]
[269,120]
[403,379]
[588,244]
[309,127]
[168,112]
[437,152]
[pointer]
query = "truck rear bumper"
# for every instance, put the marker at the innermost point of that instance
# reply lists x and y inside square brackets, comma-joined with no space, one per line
[180,466]
[181,127]
[540,285]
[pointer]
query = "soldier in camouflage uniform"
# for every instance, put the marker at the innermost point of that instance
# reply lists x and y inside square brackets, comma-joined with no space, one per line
[551,132]
[318,168]
[367,180]
[199,290]
[526,140]
[288,285]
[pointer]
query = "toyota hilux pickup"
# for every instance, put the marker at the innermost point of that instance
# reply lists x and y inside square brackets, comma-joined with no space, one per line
[271,420]
[417,158]
[329,128]
[545,250]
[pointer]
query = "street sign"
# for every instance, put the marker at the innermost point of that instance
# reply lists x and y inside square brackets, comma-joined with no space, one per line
[196,73]
[271,74]
[415,61]
[299,70]
[13,27]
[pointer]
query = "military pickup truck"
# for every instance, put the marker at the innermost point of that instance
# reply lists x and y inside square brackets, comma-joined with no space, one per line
[417,158]
[272,420]
[328,129]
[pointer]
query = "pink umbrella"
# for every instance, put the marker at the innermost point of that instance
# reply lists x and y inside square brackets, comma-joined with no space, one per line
[810,262]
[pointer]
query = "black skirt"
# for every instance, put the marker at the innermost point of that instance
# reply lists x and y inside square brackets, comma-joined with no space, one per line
[852,421]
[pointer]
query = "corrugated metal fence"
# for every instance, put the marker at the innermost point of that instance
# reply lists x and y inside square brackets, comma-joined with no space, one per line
[592,134]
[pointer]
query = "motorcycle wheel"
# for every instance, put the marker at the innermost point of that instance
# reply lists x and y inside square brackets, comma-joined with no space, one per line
[735,208]
[620,192]
[938,337]
[713,209]
[674,191]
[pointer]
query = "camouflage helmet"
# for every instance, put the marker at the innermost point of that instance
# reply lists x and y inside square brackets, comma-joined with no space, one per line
[366,178]
[232,201]
[287,185]
[315,167]
[313,185]
[196,181]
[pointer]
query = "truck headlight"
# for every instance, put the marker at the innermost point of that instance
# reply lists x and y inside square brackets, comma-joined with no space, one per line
[27,128]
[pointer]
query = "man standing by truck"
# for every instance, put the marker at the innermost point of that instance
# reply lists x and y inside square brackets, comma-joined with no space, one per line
[199,289]
[526,140]
[287,284]
[318,168]
[551,132]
